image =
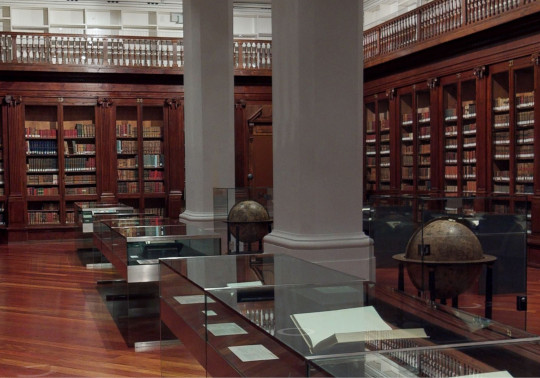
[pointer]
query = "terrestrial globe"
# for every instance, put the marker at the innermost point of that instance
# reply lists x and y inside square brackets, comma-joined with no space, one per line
[248,221]
[448,248]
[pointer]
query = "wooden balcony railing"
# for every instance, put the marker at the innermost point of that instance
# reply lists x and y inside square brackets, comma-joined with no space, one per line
[431,24]
[117,51]
[439,21]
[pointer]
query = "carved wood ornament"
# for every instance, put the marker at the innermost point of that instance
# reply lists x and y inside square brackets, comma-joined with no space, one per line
[173,103]
[12,100]
[480,72]
[104,102]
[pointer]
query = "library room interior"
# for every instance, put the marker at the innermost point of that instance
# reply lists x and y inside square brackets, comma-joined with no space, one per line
[269,188]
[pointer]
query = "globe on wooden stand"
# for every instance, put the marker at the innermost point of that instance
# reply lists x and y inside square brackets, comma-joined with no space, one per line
[248,221]
[445,257]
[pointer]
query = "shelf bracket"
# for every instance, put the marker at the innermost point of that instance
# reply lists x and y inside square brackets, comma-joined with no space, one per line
[173,103]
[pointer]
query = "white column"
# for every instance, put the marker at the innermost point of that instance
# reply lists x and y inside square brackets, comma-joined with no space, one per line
[208,103]
[317,85]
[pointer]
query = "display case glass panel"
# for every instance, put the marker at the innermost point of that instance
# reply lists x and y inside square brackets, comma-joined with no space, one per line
[127,149]
[450,122]
[383,117]
[290,311]
[424,140]
[501,133]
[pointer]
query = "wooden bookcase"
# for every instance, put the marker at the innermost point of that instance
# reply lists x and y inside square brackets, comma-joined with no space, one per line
[463,127]
[67,146]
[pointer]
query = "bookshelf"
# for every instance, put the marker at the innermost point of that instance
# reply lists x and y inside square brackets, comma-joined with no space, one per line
[407,142]
[383,116]
[423,119]
[79,151]
[140,149]
[42,164]
[3,178]
[377,150]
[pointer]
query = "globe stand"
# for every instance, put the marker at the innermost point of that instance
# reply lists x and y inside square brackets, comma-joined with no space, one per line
[431,266]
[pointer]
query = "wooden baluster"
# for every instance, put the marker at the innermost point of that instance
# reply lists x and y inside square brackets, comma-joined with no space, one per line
[3,46]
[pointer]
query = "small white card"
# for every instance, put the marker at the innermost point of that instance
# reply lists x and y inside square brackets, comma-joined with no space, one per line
[209,313]
[225,329]
[191,299]
[257,352]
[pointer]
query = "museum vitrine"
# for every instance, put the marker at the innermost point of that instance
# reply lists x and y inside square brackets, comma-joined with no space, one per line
[255,318]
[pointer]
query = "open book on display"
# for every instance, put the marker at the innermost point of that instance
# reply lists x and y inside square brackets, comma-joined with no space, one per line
[324,329]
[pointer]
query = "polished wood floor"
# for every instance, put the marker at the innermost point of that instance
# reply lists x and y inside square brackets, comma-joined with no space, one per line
[53,321]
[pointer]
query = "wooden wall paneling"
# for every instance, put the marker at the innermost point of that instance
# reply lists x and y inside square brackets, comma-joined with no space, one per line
[240,143]
[106,150]
[481,75]
[435,113]
[13,120]
[394,141]
[175,156]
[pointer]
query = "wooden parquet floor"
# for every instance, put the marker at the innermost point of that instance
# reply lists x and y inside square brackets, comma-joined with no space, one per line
[54,323]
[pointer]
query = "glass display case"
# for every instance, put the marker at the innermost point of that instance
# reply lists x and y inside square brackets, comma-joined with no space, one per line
[133,245]
[500,230]
[270,315]
[501,359]
[85,212]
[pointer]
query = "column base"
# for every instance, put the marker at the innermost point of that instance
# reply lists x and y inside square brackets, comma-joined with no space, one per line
[348,253]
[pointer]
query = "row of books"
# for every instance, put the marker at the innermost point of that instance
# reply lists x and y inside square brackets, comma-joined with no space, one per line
[502,152]
[469,171]
[501,120]
[41,164]
[469,186]
[525,99]
[424,173]
[80,180]
[126,129]
[128,187]
[33,132]
[152,147]
[81,191]
[469,156]
[128,175]
[126,147]
[423,114]
[43,147]
[527,188]
[154,161]
[424,160]
[501,175]
[371,161]
[81,131]
[424,131]
[501,137]
[152,132]
[42,180]
[36,191]
[407,160]
[451,172]
[371,175]
[407,173]
[425,149]
[43,218]
[154,187]
[153,175]
[79,148]
[524,170]
[501,103]
[127,162]
[525,118]
[407,150]
[385,174]
[525,151]
[525,136]
[80,163]
[371,138]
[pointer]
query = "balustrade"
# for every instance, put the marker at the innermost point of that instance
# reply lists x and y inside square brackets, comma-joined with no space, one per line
[411,29]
